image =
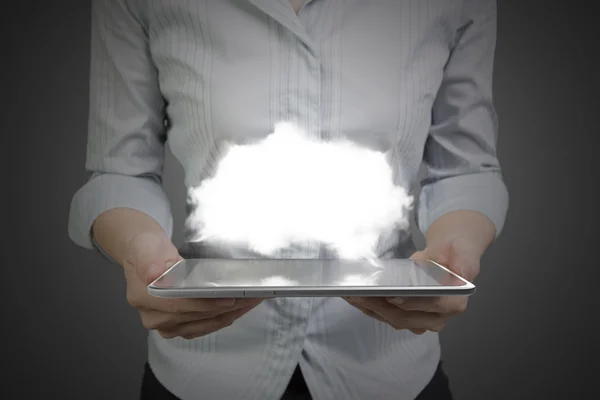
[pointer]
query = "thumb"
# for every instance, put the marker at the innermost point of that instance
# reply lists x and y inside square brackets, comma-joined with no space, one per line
[433,253]
[152,254]
[418,255]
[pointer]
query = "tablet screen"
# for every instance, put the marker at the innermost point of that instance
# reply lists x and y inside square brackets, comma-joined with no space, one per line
[236,273]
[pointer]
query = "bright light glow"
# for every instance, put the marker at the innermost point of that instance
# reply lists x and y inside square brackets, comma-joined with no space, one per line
[291,189]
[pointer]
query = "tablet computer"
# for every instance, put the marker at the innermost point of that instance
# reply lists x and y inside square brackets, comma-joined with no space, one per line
[262,278]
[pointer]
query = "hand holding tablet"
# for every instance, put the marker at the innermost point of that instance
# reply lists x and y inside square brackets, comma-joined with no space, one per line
[427,313]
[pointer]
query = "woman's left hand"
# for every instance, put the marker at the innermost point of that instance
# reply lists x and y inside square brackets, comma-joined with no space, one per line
[422,314]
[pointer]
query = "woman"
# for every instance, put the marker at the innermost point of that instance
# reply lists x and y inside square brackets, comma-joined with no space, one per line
[412,79]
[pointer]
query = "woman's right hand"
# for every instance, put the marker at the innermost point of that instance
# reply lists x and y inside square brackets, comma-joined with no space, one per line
[147,257]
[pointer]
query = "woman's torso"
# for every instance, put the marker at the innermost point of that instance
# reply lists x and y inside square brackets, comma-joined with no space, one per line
[230,70]
[364,70]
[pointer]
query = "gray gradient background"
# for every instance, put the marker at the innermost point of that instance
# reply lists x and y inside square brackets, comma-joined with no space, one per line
[68,332]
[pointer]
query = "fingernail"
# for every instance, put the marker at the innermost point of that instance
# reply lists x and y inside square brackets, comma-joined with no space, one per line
[225,302]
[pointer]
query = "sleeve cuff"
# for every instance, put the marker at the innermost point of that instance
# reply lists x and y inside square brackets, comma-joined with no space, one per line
[104,192]
[482,192]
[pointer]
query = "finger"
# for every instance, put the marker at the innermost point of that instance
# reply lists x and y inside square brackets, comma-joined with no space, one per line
[201,328]
[151,254]
[419,255]
[144,301]
[376,304]
[465,266]
[376,316]
[138,297]
[148,273]
[419,323]
[447,305]
[366,311]
[402,319]
[159,320]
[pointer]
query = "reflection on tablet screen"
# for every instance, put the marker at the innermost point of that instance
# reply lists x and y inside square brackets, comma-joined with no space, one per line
[360,280]
[285,273]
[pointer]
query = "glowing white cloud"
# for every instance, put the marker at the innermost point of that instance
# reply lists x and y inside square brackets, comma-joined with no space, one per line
[293,189]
